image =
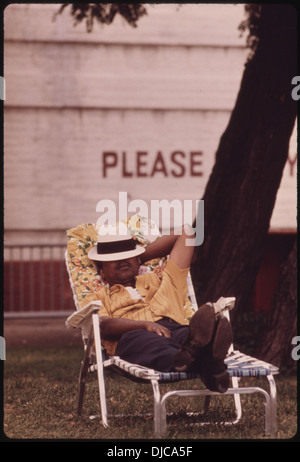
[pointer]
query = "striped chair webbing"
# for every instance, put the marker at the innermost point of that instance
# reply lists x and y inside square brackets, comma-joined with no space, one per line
[144,373]
[134,369]
[242,365]
[168,377]
[238,365]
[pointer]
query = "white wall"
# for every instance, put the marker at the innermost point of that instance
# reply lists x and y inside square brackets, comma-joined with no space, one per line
[71,96]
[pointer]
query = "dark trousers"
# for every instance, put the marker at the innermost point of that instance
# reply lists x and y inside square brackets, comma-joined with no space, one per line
[151,350]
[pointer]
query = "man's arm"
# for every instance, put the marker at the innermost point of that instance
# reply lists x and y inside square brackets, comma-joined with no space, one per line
[174,245]
[113,328]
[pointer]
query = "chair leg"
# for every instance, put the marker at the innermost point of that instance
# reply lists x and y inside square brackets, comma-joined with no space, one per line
[237,400]
[100,371]
[83,372]
[159,410]
[81,391]
[273,404]
[207,401]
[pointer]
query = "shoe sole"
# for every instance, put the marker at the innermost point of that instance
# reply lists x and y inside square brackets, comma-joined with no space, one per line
[202,326]
[222,339]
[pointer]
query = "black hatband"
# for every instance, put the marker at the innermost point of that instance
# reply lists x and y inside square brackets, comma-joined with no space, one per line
[116,246]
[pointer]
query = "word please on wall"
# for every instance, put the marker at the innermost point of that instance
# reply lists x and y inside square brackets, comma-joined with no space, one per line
[142,164]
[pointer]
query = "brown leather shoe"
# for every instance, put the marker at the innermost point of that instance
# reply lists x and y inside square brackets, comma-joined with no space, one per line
[202,327]
[205,349]
[211,364]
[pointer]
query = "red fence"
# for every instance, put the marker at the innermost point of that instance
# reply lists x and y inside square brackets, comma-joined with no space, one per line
[36,281]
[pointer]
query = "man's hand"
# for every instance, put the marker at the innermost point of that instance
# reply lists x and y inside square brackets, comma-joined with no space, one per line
[157,329]
[173,244]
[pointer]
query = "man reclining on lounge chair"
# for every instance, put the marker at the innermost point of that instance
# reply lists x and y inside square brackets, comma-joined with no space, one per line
[141,318]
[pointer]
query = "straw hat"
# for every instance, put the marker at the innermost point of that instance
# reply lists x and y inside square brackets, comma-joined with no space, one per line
[112,246]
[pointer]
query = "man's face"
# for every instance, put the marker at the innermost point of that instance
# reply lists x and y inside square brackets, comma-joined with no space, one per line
[120,271]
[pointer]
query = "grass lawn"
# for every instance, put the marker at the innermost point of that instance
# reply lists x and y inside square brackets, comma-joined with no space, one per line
[40,398]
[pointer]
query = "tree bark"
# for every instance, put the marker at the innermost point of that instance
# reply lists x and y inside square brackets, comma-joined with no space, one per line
[241,191]
[276,342]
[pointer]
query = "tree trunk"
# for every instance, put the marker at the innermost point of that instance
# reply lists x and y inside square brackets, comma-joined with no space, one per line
[241,192]
[276,343]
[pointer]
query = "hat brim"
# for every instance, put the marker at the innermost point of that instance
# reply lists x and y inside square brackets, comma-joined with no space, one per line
[93,255]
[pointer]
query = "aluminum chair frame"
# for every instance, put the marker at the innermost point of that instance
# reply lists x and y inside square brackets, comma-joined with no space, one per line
[156,378]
